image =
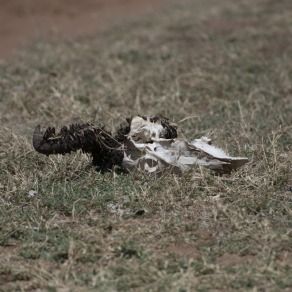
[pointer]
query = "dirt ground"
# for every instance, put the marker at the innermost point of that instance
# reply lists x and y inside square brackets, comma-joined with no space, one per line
[22,22]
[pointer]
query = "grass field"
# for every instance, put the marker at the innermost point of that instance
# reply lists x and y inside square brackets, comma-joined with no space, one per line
[223,66]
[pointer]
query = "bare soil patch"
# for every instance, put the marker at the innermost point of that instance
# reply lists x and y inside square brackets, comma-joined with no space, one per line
[22,22]
[234,259]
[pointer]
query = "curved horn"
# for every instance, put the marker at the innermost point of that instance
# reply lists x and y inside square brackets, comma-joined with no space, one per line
[104,148]
[37,138]
[76,136]
[42,145]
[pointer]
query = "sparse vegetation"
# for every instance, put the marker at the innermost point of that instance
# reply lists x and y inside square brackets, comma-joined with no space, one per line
[225,67]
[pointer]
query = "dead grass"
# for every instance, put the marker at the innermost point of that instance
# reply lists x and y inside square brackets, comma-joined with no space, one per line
[223,67]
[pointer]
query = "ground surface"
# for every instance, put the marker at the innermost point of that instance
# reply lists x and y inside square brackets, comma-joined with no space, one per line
[24,22]
[224,68]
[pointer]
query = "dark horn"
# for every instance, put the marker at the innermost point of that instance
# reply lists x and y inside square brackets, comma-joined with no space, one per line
[105,149]
[37,138]
[44,146]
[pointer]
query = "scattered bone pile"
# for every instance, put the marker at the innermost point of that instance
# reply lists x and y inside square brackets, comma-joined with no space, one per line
[145,144]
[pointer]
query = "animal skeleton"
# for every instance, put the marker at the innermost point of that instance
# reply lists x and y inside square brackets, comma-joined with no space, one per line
[144,143]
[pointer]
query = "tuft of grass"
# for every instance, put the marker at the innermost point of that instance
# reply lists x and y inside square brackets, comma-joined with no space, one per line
[221,68]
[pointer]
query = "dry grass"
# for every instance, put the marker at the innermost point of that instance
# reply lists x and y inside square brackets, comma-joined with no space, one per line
[226,66]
